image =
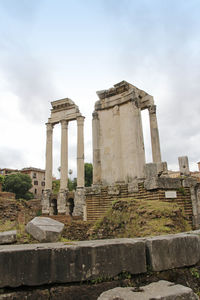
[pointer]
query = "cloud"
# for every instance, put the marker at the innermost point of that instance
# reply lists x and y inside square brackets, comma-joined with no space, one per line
[10,158]
[27,76]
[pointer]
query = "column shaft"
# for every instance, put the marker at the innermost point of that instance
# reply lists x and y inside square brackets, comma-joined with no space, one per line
[155,141]
[80,153]
[96,149]
[64,155]
[117,166]
[49,157]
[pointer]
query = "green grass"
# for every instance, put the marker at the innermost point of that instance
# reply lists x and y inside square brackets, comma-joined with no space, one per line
[138,218]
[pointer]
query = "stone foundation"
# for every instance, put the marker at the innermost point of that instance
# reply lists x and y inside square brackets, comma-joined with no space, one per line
[73,270]
[99,198]
[79,203]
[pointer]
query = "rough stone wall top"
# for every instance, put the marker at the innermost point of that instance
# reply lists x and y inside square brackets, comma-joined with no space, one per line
[63,109]
[120,94]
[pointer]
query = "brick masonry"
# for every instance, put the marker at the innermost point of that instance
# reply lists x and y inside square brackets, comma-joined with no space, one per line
[98,203]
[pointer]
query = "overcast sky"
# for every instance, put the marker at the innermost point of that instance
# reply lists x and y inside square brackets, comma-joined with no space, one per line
[52,49]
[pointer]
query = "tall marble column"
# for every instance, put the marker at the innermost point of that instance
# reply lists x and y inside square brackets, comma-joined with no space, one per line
[80,153]
[117,168]
[64,168]
[49,157]
[48,169]
[96,149]
[64,155]
[138,154]
[155,141]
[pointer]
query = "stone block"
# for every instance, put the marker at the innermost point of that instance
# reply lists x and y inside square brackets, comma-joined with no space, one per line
[169,183]
[45,229]
[190,182]
[62,201]
[39,264]
[8,237]
[133,187]
[79,202]
[162,183]
[113,190]
[163,290]
[151,170]
[172,251]
[184,165]
[94,190]
[162,168]
[151,183]
[38,294]
[155,169]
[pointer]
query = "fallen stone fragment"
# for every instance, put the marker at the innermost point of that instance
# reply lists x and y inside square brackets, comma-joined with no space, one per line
[161,290]
[8,237]
[45,229]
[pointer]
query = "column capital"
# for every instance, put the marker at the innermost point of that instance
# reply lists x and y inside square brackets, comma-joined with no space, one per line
[152,109]
[80,120]
[64,123]
[95,115]
[49,126]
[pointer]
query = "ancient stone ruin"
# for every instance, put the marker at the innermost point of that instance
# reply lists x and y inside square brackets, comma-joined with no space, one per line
[118,144]
[119,167]
[63,111]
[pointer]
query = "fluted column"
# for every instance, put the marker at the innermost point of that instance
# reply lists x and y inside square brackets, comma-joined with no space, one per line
[49,157]
[117,169]
[80,153]
[64,155]
[96,149]
[48,170]
[155,141]
[62,195]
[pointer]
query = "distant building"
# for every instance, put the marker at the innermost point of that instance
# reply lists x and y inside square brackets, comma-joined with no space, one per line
[6,171]
[38,180]
[37,176]
[195,174]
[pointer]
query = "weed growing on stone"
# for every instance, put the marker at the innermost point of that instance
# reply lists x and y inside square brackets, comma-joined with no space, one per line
[195,273]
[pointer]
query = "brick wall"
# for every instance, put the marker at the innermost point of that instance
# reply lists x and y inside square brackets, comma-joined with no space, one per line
[97,204]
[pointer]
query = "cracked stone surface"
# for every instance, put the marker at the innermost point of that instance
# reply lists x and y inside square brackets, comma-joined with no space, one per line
[8,237]
[45,229]
[161,290]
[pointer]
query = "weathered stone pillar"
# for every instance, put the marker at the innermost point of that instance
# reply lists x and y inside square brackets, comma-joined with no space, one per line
[49,157]
[155,141]
[48,169]
[117,158]
[96,149]
[80,153]
[184,166]
[64,168]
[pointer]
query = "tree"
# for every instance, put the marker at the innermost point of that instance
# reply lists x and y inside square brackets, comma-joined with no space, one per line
[88,174]
[72,184]
[19,184]
[2,178]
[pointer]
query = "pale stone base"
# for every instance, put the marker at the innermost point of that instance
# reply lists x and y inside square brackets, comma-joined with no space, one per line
[162,289]
[62,202]
[46,201]
[79,203]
